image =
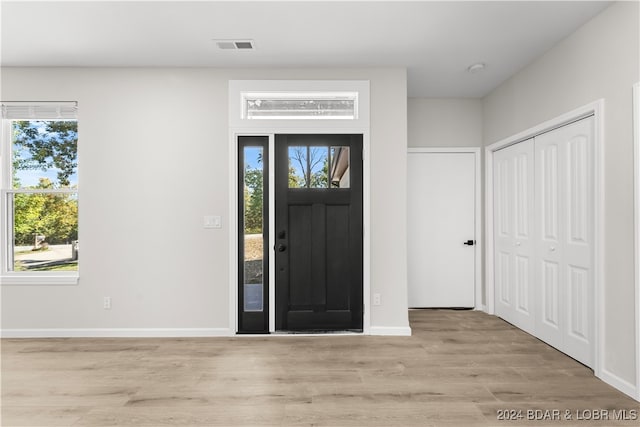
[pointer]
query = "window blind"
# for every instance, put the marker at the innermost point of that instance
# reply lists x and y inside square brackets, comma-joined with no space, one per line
[300,105]
[39,110]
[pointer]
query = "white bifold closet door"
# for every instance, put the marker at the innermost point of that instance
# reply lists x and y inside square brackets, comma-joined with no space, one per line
[564,239]
[543,236]
[513,215]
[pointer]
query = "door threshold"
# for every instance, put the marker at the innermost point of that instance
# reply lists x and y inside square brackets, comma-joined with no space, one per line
[344,333]
[319,332]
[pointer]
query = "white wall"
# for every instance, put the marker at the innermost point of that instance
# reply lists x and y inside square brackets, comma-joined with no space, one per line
[444,122]
[153,153]
[448,122]
[600,60]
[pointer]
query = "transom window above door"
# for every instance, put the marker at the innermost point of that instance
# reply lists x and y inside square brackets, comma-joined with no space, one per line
[300,105]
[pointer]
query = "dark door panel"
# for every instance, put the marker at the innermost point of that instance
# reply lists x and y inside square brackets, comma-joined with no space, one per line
[318,232]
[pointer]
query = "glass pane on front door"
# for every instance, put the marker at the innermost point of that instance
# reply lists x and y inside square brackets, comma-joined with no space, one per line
[319,167]
[340,171]
[308,167]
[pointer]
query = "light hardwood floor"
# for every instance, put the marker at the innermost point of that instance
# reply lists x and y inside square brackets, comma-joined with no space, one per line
[458,369]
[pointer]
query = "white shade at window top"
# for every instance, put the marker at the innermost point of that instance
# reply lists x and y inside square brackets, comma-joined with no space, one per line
[300,105]
[39,110]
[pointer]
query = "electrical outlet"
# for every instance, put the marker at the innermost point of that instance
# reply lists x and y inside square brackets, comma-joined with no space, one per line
[106,303]
[376,299]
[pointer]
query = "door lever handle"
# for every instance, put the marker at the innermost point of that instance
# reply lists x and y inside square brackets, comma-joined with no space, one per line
[469,242]
[282,248]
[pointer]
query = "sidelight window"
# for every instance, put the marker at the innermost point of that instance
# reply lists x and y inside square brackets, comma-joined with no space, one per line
[253,219]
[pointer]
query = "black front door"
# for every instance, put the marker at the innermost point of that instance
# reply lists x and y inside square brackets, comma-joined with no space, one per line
[318,232]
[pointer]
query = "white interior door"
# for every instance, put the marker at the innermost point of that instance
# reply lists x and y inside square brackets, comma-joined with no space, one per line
[513,225]
[441,224]
[564,243]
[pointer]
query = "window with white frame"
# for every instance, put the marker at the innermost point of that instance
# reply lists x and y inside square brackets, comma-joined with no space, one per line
[39,164]
[299,104]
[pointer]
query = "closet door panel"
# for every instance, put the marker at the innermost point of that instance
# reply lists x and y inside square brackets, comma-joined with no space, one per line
[578,239]
[548,253]
[513,208]
[503,209]
[564,241]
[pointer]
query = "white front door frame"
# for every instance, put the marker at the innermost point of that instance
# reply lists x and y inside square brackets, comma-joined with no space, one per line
[233,218]
[239,126]
[479,305]
[595,109]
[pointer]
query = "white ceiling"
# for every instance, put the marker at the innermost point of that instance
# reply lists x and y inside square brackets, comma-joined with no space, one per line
[435,41]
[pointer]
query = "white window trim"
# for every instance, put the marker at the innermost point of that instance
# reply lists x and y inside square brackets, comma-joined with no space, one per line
[242,127]
[22,278]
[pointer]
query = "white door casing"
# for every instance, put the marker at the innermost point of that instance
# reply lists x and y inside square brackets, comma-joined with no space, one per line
[636,163]
[513,226]
[239,125]
[441,217]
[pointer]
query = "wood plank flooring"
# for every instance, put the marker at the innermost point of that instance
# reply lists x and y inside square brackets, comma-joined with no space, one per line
[458,369]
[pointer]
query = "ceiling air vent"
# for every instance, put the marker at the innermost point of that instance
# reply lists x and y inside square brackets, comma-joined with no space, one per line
[234,44]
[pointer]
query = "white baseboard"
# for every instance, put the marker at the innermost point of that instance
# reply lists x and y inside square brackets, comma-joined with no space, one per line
[402,331]
[160,332]
[616,382]
[117,333]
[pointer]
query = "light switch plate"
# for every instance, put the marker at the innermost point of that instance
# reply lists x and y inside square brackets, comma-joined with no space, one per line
[212,221]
